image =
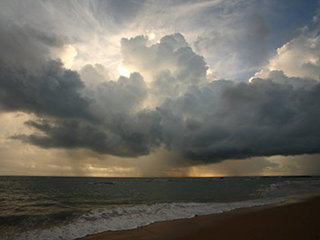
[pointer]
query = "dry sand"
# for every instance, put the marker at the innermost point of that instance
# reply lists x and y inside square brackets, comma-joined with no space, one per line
[292,221]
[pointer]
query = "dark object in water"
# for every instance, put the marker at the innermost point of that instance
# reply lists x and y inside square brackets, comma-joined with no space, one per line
[102,183]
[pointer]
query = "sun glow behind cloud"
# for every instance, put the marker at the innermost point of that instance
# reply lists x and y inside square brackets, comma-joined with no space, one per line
[123,71]
[68,55]
[151,36]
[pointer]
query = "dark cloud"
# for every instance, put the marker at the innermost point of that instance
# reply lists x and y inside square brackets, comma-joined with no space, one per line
[52,91]
[222,119]
[261,118]
[25,46]
[113,123]
[129,136]
[31,81]
[295,82]
[176,107]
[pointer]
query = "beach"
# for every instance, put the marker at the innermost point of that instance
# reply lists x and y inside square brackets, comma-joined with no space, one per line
[293,220]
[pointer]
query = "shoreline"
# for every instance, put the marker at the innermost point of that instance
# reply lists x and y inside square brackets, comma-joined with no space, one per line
[288,220]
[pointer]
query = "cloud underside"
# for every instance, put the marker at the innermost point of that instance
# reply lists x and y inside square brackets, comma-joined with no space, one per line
[168,101]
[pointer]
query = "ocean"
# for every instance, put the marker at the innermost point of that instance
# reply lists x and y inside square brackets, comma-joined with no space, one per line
[73,207]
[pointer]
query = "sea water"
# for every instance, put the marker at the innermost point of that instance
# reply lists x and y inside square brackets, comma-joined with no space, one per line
[73,207]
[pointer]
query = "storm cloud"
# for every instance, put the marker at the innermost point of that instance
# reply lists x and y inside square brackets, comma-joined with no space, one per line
[52,91]
[167,101]
[169,84]
[261,118]
[121,140]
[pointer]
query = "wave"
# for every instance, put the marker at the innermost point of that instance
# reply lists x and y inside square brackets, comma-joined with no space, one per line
[290,187]
[125,218]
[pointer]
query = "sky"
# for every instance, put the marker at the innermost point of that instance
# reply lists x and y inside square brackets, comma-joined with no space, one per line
[171,88]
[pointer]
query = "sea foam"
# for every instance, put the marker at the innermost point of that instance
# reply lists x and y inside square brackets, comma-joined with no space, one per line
[101,220]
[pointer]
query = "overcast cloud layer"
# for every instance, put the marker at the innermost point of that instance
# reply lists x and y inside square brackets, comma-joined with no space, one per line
[266,104]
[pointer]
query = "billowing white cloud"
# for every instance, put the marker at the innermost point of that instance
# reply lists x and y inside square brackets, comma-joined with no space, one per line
[299,57]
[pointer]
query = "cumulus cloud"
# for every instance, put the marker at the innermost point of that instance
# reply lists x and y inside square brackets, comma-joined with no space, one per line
[191,98]
[199,119]
[127,136]
[299,57]
[261,118]
[172,53]
[169,66]
[53,91]
[169,100]
[278,76]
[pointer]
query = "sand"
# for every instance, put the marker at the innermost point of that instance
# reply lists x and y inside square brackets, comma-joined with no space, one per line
[290,221]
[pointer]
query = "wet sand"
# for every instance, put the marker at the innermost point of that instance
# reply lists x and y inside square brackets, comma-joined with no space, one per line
[290,221]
